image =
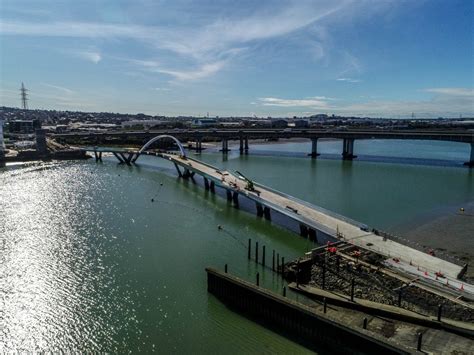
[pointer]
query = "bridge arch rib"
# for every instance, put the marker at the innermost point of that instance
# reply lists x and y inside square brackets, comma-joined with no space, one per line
[153,140]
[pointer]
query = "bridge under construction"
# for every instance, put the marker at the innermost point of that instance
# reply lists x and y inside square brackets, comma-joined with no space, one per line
[315,223]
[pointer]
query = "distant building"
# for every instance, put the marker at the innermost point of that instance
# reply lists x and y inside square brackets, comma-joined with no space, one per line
[146,124]
[263,123]
[279,123]
[232,124]
[321,116]
[204,122]
[23,126]
[301,123]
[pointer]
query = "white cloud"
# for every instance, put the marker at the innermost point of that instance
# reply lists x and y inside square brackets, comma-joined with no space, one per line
[91,56]
[201,72]
[448,102]
[209,46]
[349,80]
[315,102]
[463,92]
[60,88]
[162,89]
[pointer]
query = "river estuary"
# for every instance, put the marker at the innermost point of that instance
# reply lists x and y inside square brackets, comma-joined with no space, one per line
[88,262]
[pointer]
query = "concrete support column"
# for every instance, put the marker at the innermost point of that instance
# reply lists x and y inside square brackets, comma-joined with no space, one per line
[348,149]
[198,145]
[312,235]
[470,163]
[314,147]
[241,146]
[121,161]
[2,146]
[235,198]
[246,144]
[98,156]
[177,169]
[212,186]
[2,158]
[267,213]
[259,209]
[206,183]
[229,195]
[41,146]
[225,145]
[303,231]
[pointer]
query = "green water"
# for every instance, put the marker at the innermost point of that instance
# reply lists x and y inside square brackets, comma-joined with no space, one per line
[89,262]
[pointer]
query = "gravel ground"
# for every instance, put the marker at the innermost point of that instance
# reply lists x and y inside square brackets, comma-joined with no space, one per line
[373,286]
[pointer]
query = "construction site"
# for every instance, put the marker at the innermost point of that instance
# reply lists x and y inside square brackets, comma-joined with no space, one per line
[360,287]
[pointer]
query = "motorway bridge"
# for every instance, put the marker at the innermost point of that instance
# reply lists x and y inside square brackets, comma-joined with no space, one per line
[244,135]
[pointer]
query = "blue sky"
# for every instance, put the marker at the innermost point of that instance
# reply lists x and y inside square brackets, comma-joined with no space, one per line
[263,58]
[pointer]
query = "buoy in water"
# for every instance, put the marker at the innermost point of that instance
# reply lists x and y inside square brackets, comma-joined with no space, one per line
[161,184]
[152,200]
[219,226]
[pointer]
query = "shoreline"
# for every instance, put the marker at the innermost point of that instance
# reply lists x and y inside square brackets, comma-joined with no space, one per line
[446,230]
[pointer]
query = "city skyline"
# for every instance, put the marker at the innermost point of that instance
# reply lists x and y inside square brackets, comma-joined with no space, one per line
[364,58]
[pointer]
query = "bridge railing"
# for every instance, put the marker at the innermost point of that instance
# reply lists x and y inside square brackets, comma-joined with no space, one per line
[315,207]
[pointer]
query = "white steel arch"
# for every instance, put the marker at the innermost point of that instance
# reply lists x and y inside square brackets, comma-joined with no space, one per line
[153,140]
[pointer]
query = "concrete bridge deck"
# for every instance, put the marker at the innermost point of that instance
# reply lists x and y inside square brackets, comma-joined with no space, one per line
[400,257]
[337,226]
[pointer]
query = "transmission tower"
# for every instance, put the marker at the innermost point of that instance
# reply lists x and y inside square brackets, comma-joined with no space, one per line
[24,97]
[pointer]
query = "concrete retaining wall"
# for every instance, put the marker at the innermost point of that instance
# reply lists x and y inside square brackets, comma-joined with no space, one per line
[313,329]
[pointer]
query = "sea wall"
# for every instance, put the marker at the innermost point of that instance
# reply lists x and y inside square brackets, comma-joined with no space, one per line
[303,324]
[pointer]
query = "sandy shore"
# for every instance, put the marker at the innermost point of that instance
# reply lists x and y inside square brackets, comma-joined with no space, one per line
[451,232]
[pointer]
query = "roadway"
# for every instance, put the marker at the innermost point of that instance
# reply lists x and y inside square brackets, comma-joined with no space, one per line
[409,260]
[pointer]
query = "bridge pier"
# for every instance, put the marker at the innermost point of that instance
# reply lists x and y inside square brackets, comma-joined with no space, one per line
[246,147]
[198,145]
[2,158]
[235,198]
[259,209]
[225,145]
[241,145]
[348,149]
[470,163]
[98,156]
[303,231]
[314,148]
[178,170]
[312,235]
[229,195]
[187,174]
[206,184]
[267,213]
[118,157]
[2,146]
[41,146]
[212,186]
